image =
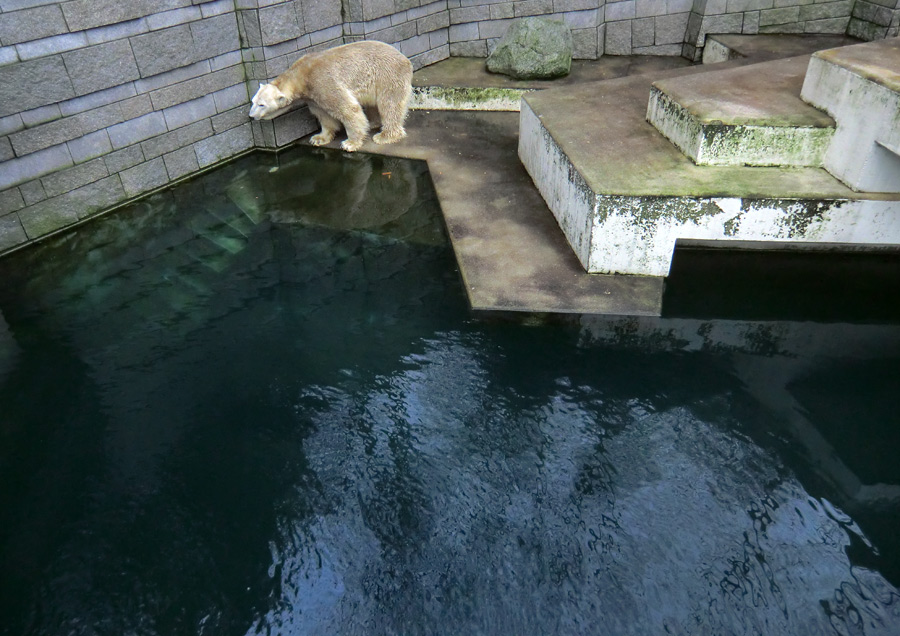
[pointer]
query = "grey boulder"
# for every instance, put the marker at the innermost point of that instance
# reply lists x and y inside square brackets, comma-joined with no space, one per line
[533,48]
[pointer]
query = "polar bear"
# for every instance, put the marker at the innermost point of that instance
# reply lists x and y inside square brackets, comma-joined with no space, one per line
[337,84]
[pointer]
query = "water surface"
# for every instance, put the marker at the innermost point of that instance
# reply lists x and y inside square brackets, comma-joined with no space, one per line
[258,404]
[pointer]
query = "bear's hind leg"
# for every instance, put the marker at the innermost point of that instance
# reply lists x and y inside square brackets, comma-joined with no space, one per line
[329,125]
[393,105]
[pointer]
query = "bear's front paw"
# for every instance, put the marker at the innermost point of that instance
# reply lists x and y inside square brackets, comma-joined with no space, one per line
[321,139]
[350,145]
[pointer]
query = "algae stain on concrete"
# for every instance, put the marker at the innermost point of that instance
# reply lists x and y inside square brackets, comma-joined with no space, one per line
[466,98]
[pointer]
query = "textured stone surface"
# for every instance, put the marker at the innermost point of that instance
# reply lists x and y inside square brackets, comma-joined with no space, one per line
[36,164]
[31,24]
[533,48]
[144,177]
[11,232]
[72,178]
[101,66]
[47,83]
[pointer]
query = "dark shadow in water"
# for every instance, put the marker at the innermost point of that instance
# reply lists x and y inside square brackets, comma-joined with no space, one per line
[824,286]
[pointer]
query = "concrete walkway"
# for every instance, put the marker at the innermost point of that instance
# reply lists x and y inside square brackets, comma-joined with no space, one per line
[511,253]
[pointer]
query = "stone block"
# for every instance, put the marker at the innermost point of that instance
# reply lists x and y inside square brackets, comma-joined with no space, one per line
[439,38]
[785,15]
[372,9]
[670,29]
[46,217]
[648,8]
[781,29]
[501,11]
[680,6]
[585,44]
[229,119]
[575,5]
[662,50]
[231,97]
[620,11]
[156,21]
[225,146]
[525,8]
[161,51]
[353,10]
[170,78]
[42,115]
[118,31]
[463,32]
[87,14]
[72,178]
[215,36]
[829,25]
[11,124]
[643,32]
[6,149]
[8,55]
[31,24]
[735,6]
[123,159]
[37,164]
[144,177]
[50,46]
[278,23]
[433,22]
[865,30]
[581,19]
[218,7]
[181,163]
[828,10]
[751,23]
[33,192]
[101,66]
[470,14]
[331,36]
[46,79]
[319,14]
[225,60]
[96,100]
[10,201]
[472,48]
[11,232]
[197,87]
[414,46]
[494,28]
[190,112]
[293,126]
[135,130]
[430,57]
[168,142]
[618,38]
[90,146]
[95,197]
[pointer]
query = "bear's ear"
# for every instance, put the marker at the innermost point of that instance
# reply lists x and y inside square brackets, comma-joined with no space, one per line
[281,100]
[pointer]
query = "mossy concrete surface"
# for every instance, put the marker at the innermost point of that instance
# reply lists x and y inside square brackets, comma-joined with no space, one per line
[602,182]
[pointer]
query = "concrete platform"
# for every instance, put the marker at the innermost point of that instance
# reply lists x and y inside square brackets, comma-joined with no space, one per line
[860,87]
[625,196]
[511,251]
[750,115]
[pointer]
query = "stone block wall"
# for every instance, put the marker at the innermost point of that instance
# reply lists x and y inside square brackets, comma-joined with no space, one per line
[763,16]
[102,101]
[875,19]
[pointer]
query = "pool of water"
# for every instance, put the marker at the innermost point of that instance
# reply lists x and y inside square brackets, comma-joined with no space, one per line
[258,404]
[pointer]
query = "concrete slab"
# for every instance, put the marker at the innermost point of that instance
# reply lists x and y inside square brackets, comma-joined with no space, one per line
[624,195]
[750,115]
[464,83]
[860,87]
[770,46]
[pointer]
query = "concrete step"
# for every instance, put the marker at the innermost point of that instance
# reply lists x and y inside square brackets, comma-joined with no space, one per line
[750,115]
[625,196]
[860,87]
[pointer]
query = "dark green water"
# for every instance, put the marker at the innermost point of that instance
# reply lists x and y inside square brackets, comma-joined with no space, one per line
[258,404]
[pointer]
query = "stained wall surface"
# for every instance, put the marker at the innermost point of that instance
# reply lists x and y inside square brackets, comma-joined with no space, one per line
[102,101]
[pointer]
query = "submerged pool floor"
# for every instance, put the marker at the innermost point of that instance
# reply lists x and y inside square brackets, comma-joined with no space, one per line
[259,404]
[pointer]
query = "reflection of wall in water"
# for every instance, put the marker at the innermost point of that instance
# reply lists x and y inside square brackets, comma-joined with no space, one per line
[767,357]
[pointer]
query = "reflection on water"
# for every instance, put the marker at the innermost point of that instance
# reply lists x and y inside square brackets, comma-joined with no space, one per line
[257,404]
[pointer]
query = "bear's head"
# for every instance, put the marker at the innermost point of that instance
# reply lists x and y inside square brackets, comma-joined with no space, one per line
[268,102]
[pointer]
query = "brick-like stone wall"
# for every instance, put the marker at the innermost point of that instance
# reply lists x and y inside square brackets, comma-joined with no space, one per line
[763,16]
[875,19]
[102,101]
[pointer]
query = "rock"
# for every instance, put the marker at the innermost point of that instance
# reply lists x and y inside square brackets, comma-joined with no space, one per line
[533,48]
